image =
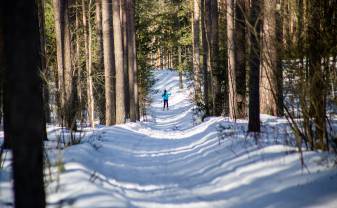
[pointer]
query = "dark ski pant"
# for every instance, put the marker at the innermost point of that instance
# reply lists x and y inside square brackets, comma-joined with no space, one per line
[165,104]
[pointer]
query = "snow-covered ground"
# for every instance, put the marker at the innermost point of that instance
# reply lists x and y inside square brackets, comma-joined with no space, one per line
[171,161]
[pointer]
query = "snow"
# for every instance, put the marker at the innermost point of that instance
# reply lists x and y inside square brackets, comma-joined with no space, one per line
[169,160]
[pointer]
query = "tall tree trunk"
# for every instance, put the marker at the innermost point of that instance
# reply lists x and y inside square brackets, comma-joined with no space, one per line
[131,44]
[124,22]
[109,63]
[119,63]
[206,75]
[269,86]
[66,80]
[233,108]
[317,81]
[254,64]
[181,84]
[45,89]
[217,97]
[3,111]
[196,50]
[240,57]
[100,62]
[88,61]
[25,101]
[208,50]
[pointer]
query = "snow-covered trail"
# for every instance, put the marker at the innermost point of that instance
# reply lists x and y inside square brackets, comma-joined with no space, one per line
[170,162]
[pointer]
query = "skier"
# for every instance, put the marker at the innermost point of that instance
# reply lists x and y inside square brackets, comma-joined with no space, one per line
[165,97]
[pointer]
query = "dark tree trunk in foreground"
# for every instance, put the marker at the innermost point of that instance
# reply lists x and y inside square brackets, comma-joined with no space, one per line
[254,63]
[25,106]
[109,63]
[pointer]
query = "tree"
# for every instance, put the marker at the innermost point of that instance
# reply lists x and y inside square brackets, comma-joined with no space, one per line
[109,63]
[205,56]
[24,100]
[254,64]
[119,63]
[232,86]
[131,44]
[270,72]
[66,80]
[240,57]
[100,63]
[196,50]
[88,61]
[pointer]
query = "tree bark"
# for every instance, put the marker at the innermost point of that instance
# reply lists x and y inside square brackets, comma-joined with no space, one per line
[196,51]
[316,79]
[25,101]
[233,108]
[208,52]
[206,75]
[131,44]
[269,86]
[119,63]
[88,61]
[100,63]
[67,81]
[240,57]
[181,84]
[109,63]
[254,64]
[124,24]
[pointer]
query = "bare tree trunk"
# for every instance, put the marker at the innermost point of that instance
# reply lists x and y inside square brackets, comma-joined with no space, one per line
[124,23]
[100,63]
[217,97]
[233,108]
[269,86]
[88,61]
[254,74]
[206,75]
[317,81]
[240,57]
[64,60]
[109,63]
[181,84]
[41,12]
[196,50]
[119,63]
[3,107]
[131,44]
[78,56]
[25,100]
[208,60]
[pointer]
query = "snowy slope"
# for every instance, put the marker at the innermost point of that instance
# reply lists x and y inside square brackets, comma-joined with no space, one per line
[170,162]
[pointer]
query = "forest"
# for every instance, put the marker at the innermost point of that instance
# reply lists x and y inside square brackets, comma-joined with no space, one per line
[168,103]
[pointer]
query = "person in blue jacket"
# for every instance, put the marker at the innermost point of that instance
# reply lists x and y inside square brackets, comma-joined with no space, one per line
[165,97]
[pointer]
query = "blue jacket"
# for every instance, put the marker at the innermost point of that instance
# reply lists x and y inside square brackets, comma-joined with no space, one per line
[166,96]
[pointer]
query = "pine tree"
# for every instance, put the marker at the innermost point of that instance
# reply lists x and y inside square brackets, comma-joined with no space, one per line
[119,63]
[24,100]
[109,63]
